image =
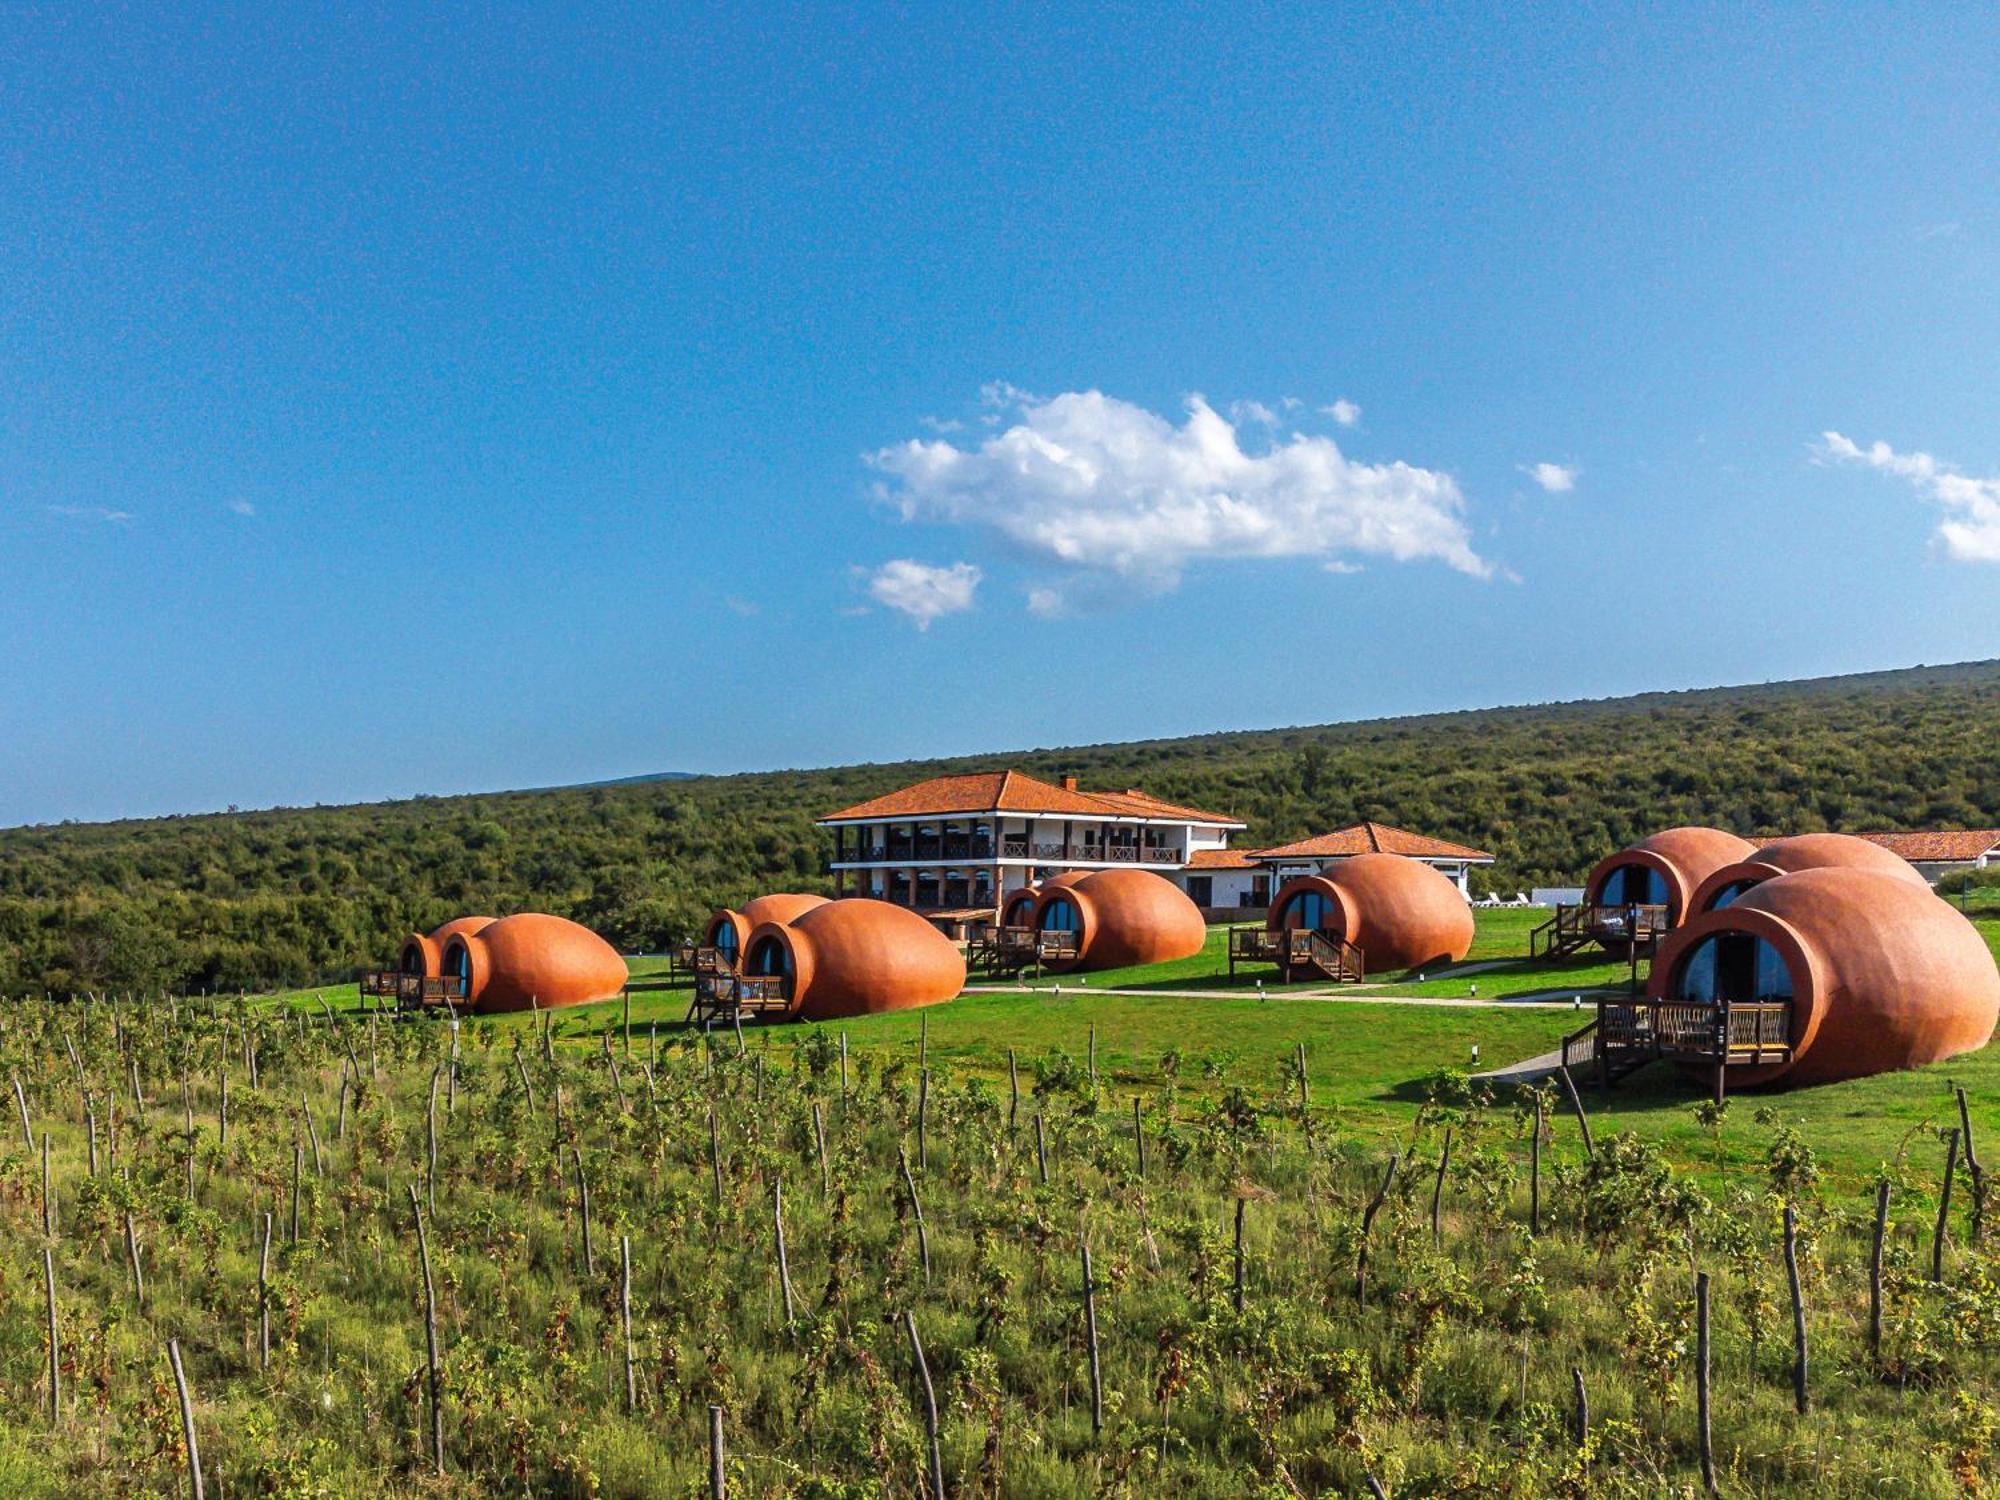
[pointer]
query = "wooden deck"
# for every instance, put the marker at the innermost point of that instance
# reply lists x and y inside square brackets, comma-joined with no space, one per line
[1628,1034]
[412,992]
[1574,927]
[1298,951]
[728,996]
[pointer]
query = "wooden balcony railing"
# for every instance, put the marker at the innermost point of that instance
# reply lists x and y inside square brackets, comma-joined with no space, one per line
[413,991]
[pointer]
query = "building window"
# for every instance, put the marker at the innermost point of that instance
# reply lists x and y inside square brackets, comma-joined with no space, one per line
[1633,885]
[1733,966]
[1201,890]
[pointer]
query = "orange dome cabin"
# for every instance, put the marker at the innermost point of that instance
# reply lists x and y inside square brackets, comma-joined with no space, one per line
[531,961]
[1805,851]
[1114,919]
[850,957]
[722,941]
[1373,913]
[418,980]
[1809,977]
[1009,945]
[1640,893]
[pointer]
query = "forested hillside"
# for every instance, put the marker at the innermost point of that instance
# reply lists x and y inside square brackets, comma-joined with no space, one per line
[298,896]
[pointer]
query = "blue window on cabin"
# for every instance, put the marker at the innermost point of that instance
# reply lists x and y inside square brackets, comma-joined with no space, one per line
[1733,966]
[1061,916]
[459,962]
[1633,885]
[771,958]
[1309,909]
[413,959]
[725,940]
[1728,895]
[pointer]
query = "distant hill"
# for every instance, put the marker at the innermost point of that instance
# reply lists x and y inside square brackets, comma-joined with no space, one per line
[304,895]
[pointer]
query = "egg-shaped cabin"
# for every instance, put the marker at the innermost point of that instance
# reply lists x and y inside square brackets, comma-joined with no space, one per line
[1649,888]
[854,957]
[1018,908]
[1374,914]
[1821,975]
[1805,851]
[423,953]
[1113,919]
[533,960]
[729,929]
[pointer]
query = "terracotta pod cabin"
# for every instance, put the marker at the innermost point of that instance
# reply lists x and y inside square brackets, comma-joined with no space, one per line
[728,931]
[423,953]
[855,957]
[1854,971]
[530,960]
[1399,912]
[1787,856]
[1659,875]
[1114,919]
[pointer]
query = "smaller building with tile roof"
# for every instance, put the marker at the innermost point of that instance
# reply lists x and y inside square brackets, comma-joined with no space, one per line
[1319,854]
[1939,852]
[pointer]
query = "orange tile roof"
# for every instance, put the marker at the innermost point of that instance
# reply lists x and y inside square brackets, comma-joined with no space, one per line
[1222,859]
[1371,838]
[1016,792]
[1943,846]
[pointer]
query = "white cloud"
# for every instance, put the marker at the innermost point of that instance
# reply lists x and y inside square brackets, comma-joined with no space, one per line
[90,513]
[1971,530]
[921,591]
[1107,489]
[241,508]
[1253,411]
[1557,479]
[1345,412]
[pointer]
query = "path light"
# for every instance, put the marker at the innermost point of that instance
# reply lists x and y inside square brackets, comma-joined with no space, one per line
[1260,989]
[1475,1054]
[1475,990]
[1576,1002]
[1420,976]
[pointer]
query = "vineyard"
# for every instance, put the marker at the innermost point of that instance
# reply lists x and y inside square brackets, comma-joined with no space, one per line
[300,1252]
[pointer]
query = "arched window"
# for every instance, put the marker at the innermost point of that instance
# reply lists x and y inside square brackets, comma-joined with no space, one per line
[413,959]
[770,958]
[725,940]
[1308,910]
[1633,885]
[1733,966]
[1061,916]
[1728,895]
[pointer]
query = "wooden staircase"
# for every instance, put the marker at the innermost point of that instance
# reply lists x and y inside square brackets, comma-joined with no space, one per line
[1628,1034]
[1574,927]
[1298,952]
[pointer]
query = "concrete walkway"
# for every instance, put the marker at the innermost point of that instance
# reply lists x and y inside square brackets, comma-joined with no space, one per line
[1528,1070]
[1357,996]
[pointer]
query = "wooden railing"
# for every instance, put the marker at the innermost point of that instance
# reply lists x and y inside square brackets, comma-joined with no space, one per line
[413,991]
[1573,926]
[1630,1033]
[1298,948]
[1055,946]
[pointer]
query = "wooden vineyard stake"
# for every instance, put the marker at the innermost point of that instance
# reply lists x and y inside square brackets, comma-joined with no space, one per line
[187,1418]
[1799,1356]
[930,1406]
[430,1336]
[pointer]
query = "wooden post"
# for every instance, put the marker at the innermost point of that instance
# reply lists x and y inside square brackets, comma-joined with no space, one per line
[714,1156]
[1875,1267]
[1535,1172]
[312,1130]
[187,1418]
[1799,1365]
[715,1462]
[1974,1170]
[1576,1107]
[298,1169]
[1305,1089]
[90,1125]
[138,1276]
[819,1143]
[1368,1223]
[625,1320]
[264,1298]
[583,1212]
[843,1069]
[55,1341]
[923,1110]
[48,1193]
[1437,1187]
[1090,1333]
[1013,1090]
[21,1099]
[527,1088]
[1703,1399]
[1041,1151]
[431,1143]
[916,1211]
[1944,1206]
[1580,1418]
[430,1336]
[784,1264]
[1236,1298]
[625,1026]
[1139,1135]
[930,1406]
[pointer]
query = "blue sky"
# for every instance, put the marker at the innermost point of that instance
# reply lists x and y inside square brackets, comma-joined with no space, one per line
[424,400]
